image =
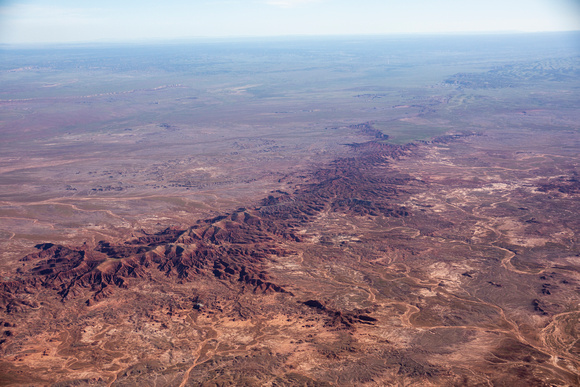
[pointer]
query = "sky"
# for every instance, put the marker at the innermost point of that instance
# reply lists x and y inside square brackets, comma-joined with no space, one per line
[68,21]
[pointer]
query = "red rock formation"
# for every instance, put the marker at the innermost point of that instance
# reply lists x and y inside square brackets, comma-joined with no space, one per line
[231,247]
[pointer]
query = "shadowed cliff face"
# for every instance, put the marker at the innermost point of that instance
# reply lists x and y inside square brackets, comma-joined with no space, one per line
[397,264]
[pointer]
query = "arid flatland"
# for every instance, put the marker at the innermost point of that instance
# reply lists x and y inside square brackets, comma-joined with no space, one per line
[345,213]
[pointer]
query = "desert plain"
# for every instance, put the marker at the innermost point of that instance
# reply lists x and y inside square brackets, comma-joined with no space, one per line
[292,212]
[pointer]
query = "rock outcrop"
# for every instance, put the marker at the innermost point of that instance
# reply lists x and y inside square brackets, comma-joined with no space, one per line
[232,247]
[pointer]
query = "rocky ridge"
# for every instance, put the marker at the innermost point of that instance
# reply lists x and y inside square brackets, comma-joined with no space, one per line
[232,247]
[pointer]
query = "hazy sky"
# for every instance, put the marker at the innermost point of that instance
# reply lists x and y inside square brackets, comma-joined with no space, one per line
[40,21]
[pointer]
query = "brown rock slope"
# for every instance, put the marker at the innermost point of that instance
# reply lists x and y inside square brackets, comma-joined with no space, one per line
[231,247]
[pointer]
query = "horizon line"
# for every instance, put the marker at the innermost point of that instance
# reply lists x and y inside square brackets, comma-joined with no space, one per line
[185,39]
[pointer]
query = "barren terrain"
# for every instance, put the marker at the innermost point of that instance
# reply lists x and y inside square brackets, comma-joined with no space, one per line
[408,224]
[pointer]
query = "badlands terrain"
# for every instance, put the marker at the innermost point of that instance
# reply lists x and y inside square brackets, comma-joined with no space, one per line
[292,213]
